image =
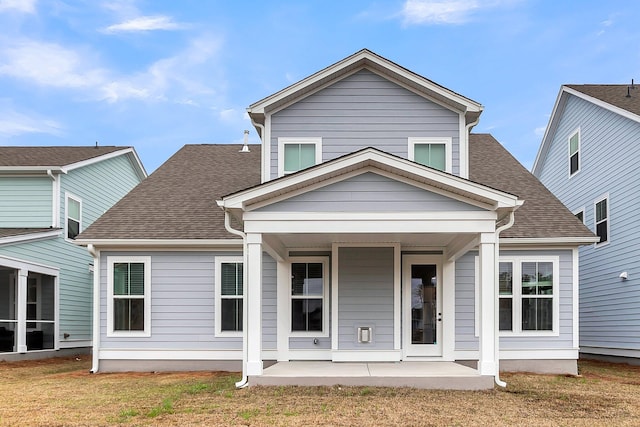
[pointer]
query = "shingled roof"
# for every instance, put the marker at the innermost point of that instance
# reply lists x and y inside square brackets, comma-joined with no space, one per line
[178,201]
[626,97]
[542,215]
[51,156]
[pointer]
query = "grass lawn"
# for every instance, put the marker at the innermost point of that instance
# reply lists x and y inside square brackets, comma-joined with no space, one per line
[62,392]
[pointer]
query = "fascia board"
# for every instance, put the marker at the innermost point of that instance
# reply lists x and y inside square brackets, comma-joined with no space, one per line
[600,103]
[141,172]
[558,107]
[259,107]
[365,159]
[548,241]
[13,170]
[168,243]
[30,237]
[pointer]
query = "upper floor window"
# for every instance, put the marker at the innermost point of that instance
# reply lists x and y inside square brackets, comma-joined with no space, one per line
[74,215]
[574,152]
[229,296]
[295,154]
[580,215]
[602,219]
[432,152]
[129,296]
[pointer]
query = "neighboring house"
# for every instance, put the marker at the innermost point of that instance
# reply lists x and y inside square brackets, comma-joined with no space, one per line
[369,226]
[587,159]
[48,195]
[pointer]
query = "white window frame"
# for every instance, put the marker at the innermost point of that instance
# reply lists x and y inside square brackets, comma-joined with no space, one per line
[595,222]
[218,292]
[146,260]
[516,262]
[68,196]
[582,211]
[571,135]
[282,142]
[448,149]
[325,297]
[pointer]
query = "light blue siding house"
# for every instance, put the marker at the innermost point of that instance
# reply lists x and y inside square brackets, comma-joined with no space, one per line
[587,159]
[369,239]
[48,195]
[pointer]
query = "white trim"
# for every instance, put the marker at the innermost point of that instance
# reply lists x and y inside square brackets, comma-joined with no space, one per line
[582,211]
[335,266]
[602,104]
[595,223]
[159,244]
[575,262]
[142,173]
[549,242]
[19,264]
[283,141]
[366,355]
[397,297]
[576,131]
[219,260]
[111,260]
[67,196]
[324,260]
[41,235]
[283,320]
[446,141]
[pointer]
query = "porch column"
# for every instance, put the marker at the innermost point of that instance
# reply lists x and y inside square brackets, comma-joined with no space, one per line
[487,361]
[21,307]
[254,304]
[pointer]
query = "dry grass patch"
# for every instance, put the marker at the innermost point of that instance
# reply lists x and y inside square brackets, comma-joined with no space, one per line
[62,392]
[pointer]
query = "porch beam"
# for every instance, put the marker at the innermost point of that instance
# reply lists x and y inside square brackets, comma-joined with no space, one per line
[460,246]
[274,247]
[487,363]
[254,304]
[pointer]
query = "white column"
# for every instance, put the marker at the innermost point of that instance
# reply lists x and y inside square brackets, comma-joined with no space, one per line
[284,320]
[254,304]
[21,330]
[487,362]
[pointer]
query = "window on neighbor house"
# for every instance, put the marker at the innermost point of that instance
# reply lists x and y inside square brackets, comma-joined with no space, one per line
[298,153]
[602,220]
[432,152]
[129,295]
[229,291]
[528,292]
[574,153]
[308,297]
[74,208]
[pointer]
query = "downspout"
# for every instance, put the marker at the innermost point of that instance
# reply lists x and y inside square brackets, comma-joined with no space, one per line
[500,229]
[96,308]
[467,133]
[245,315]
[262,149]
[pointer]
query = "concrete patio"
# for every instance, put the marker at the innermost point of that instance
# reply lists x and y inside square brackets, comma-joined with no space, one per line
[428,375]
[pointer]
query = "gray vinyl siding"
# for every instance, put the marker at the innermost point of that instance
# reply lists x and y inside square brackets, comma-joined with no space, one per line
[465,305]
[183,303]
[369,192]
[364,110]
[26,202]
[365,297]
[609,154]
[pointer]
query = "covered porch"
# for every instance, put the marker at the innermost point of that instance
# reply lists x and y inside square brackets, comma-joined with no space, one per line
[424,374]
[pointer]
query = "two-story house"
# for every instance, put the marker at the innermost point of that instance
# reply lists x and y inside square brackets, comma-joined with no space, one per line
[48,195]
[587,158]
[369,239]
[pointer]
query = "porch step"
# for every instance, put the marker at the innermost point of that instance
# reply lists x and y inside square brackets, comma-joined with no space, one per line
[427,375]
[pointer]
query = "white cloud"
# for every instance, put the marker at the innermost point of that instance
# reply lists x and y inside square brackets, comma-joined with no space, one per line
[13,123]
[23,6]
[416,12]
[48,64]
[539,131]
[145,23]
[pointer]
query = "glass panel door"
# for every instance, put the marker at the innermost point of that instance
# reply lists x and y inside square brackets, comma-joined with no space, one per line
[422,306]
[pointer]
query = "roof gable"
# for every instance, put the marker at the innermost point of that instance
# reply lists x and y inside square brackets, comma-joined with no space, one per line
[369,160]
[623,100]
[365,59]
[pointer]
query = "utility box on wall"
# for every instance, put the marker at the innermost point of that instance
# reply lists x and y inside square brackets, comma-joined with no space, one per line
[365,334]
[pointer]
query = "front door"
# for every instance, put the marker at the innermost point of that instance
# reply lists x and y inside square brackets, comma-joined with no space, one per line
[422,305]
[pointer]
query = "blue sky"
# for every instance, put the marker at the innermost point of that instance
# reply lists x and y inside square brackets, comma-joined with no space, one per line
[160,74]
